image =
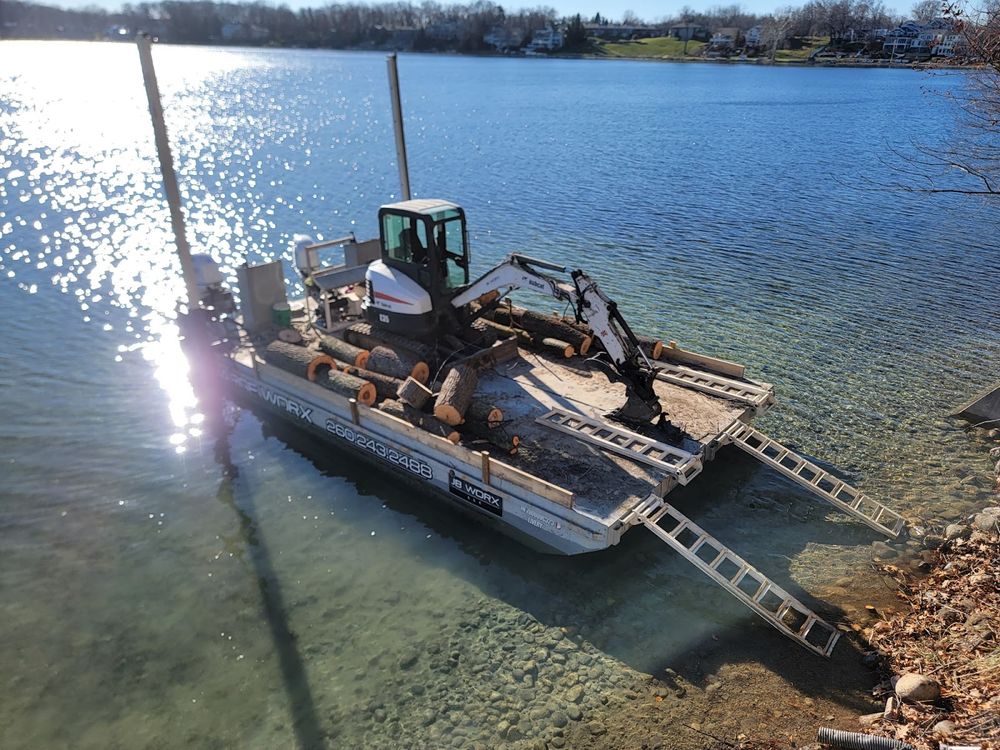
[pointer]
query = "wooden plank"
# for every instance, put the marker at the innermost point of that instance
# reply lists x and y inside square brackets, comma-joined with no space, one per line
[722,366]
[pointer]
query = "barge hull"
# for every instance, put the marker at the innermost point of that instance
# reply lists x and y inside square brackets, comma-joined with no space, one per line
[412,456]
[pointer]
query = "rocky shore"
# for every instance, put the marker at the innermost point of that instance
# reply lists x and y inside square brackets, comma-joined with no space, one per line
[939,658]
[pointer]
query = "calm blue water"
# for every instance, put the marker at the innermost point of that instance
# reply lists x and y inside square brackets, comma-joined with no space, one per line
[162,587]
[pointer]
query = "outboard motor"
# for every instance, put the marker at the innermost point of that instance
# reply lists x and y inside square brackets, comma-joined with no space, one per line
[212,291]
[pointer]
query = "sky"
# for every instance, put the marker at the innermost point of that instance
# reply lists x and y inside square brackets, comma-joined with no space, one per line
[649,10]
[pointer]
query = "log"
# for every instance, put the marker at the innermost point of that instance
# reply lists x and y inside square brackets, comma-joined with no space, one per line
[482,333]
[367,336]
[297,359]
[413,393]
[652,347]
[502,351]
[722,366]
[343,351]
[560,347]
[522,336]
[550,326]
[499,439]
[419,419]
[398,364]
[456,395]
[349,386]
[483,412]
[385,385]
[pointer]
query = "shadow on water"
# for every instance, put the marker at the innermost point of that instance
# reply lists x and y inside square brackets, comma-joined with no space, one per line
[640,587]
[238,498]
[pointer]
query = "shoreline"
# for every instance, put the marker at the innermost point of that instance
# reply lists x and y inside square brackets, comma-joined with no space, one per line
[801,63]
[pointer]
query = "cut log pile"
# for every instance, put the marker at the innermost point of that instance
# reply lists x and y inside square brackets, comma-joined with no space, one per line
[419,419]
[378,367]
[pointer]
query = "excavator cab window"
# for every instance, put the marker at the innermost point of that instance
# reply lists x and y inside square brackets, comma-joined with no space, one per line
[405,238]
[452,254]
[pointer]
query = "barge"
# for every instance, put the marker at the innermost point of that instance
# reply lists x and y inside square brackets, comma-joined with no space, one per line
[563,430]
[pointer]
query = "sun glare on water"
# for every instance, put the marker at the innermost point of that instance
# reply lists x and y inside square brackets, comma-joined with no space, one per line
[112,249]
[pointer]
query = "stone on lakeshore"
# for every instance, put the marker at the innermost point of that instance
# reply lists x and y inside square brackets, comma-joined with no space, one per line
[573,712]
[596,728]
[558,742]
[944,728]
[408,660]
[883,551]
[559,719]
[993,510]
[954,531]
[575,694]
[916,688]
[986,522]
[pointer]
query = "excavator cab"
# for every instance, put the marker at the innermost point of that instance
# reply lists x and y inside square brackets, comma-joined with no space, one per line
[424,263]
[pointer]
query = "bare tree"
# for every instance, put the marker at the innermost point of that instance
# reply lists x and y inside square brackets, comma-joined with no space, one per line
[775,29]
[970,162]
[926,10]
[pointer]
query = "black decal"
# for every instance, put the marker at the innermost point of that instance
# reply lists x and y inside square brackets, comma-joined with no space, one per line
[476,495]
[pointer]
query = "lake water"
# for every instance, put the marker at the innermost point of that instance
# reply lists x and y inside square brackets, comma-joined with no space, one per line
[165,586]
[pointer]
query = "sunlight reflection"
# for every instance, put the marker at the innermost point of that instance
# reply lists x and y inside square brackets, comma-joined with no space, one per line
[98,195]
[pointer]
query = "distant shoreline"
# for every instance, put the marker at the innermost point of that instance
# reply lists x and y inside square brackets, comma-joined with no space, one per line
[803,63]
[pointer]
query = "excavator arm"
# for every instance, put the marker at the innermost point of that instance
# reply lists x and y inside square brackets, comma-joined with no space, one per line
[591,306]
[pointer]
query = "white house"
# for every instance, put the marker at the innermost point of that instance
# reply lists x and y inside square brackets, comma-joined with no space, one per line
[948,45]
[545,40]
[753,36]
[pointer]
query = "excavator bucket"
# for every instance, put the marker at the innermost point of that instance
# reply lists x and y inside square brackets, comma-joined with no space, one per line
[636,409]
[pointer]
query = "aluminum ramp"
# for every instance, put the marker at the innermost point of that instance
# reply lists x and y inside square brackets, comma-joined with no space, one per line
[757,397]
[846,498]
[756,591]
[680,464]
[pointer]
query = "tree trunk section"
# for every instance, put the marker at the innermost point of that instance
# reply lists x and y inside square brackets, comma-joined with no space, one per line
[343,351]
[418,419]
[484,413]
[456,395]
[385,385]
[367,336]
[558,347]
[398,364]
[549,326]
[414,393]
[350,386]
[522,336]
[296,359]
[650,346]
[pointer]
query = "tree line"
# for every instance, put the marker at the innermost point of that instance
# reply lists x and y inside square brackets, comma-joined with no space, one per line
[405,25]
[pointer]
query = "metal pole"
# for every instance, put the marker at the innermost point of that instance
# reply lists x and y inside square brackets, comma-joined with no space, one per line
[167,168]
[397,122]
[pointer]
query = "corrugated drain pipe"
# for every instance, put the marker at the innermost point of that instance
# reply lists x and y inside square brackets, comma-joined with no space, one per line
[857,741]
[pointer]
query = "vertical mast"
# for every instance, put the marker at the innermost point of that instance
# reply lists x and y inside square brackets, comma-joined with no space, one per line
[397,122]
[167,169]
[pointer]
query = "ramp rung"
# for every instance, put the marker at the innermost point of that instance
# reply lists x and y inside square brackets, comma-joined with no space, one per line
[680,464]
[806,628]
[756,444]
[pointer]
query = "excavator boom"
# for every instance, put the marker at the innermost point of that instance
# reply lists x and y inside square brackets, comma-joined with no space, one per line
[591,306]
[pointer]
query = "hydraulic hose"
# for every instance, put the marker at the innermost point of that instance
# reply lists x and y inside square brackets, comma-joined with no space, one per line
[857,741]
